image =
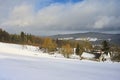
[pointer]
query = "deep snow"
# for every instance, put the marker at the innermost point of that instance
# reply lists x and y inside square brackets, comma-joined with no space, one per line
[17,63]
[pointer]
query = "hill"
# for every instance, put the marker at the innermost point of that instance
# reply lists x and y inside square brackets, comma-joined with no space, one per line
[94,37]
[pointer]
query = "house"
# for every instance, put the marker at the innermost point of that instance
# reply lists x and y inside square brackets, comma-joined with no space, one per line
[105,57]
[101,56]
[97,56]
[88,56]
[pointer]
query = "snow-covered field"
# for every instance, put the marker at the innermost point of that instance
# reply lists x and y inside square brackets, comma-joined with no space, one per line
[18,63]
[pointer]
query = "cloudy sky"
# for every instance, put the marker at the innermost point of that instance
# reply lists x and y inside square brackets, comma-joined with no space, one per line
[48,17]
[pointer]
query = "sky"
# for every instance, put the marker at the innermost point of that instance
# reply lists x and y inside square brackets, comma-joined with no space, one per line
[50,17]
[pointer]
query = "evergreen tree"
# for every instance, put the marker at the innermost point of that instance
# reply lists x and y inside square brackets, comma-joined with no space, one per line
[4,36]
[105,46]
[22,37]
[78,49]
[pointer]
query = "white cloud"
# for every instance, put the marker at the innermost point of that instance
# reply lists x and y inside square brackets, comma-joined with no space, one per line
[102,22]
[106,22]
[20,16]
[85,15]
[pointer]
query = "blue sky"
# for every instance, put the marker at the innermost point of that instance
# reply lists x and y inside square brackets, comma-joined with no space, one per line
[66,1]
[47,17]
[39,4]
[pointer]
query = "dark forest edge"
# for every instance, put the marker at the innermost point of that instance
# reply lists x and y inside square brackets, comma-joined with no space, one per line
[65,47]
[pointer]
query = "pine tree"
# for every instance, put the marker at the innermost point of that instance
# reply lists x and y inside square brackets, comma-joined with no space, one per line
[22,37]
[105,46]
[77,49]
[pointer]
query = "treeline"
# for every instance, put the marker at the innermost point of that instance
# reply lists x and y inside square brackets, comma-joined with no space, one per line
[65,47]
[21,38]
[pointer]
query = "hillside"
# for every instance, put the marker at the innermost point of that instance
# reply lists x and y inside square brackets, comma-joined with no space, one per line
[18,63]
[94,37]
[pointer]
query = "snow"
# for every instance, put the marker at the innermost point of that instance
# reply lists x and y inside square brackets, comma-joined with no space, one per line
[87,38]
[68,38]
[74,56]
[87,55]
[17,63]
[24,50]
[93,39]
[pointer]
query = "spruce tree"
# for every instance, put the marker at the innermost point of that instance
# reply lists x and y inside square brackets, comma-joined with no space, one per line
[77,49]
[105,46]
[22,37]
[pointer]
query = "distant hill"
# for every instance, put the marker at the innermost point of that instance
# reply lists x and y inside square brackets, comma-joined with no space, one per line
[94,37]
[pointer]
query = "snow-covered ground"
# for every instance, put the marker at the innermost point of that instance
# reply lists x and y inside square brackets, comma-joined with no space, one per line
[18,63]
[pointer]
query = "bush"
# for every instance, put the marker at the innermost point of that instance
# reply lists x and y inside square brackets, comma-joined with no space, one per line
[116,58]
[67,50]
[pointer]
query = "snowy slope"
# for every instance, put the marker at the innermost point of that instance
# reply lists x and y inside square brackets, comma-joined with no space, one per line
[16,64]
[17,49]
[25,50]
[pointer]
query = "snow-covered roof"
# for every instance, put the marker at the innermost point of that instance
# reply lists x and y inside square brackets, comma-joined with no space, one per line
[87,55]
